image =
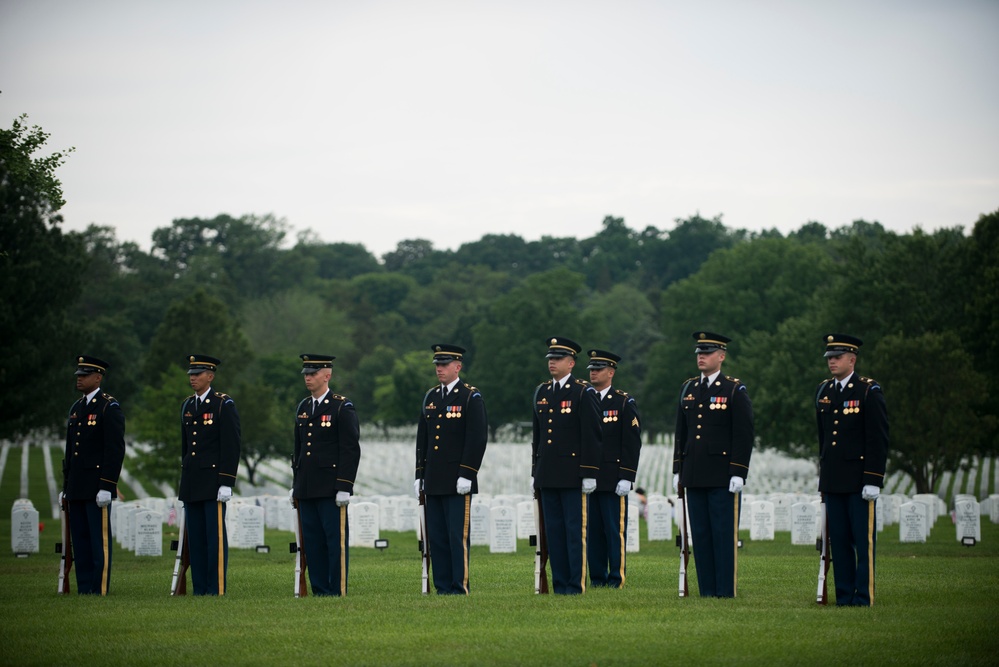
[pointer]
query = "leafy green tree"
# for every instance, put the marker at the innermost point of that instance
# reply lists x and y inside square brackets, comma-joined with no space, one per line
[156,425]
[623,321]
[328,261]
[884,283]
[297,321]
[612,256]
[981,315]
[41,273]
[510,341]
[265,424]
[751,287]
[684,249]
[201,324]
[935,423]
[786,366]
[398,394]
[237,257]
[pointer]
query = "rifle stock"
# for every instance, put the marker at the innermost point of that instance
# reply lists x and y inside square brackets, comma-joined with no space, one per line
[540,549]
[424,545]
[65,548]
[301,565]
[683,541]
[178,586]
[822,594]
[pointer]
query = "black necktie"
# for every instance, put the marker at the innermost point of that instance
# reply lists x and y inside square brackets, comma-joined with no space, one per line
[314,403]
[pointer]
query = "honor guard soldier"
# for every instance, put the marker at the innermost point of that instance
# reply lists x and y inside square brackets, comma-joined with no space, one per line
[210,447]
[853,449]
[327,452]
[95,449]
[566,455]
[450,443]
[713,444]
[608,505]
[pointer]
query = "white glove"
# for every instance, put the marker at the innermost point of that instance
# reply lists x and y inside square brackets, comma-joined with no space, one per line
[464,486]
[225,494]
[870,492]
[676,482]
[62,497]
[342,498]
[623,487]
[589,485]
[103,498]
[735,484]
[532,482]
[291,496]
[417,487]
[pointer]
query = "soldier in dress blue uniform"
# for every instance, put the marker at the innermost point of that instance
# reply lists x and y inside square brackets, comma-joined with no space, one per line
[566,454]
[95,448]
[608,505]
[853,449]
[210,447]
[327,452]
[713,444]
[450,443]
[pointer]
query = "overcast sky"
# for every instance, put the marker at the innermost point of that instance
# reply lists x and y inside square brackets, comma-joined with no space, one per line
[377,121]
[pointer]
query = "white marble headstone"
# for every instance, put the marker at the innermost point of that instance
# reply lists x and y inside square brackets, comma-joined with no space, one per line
[502,529]
[782,511]
[632,532]
[478,530]
[249,526]
[912,522]
[803,523]
[762,527]
[24,530]
[659,523]
[148,533]
[407,513]
[525,517]
[968,519]
[364,526]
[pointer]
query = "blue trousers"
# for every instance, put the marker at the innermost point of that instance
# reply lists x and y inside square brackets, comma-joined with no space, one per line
[565,531]
[852,537]
[448,521]
[714,530]
[606,538]
[90,528]
[208,546]
[325,535]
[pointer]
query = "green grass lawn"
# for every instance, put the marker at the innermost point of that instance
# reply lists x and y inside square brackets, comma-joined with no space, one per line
[936,603]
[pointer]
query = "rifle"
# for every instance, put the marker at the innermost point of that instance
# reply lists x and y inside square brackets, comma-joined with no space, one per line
[540,544]
[65,548]
[178,586]
[683,541]
[301,590]
[822,545]
[424,545]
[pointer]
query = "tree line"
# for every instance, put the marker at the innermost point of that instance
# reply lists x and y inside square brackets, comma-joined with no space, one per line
[242,289]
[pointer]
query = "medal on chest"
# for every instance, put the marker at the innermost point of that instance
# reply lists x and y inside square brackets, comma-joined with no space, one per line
[719,403]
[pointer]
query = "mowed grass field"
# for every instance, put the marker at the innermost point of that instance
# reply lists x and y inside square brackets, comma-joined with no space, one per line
[936,604]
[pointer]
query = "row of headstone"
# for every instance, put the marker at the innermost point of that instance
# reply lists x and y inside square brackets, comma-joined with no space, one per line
[498,521]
